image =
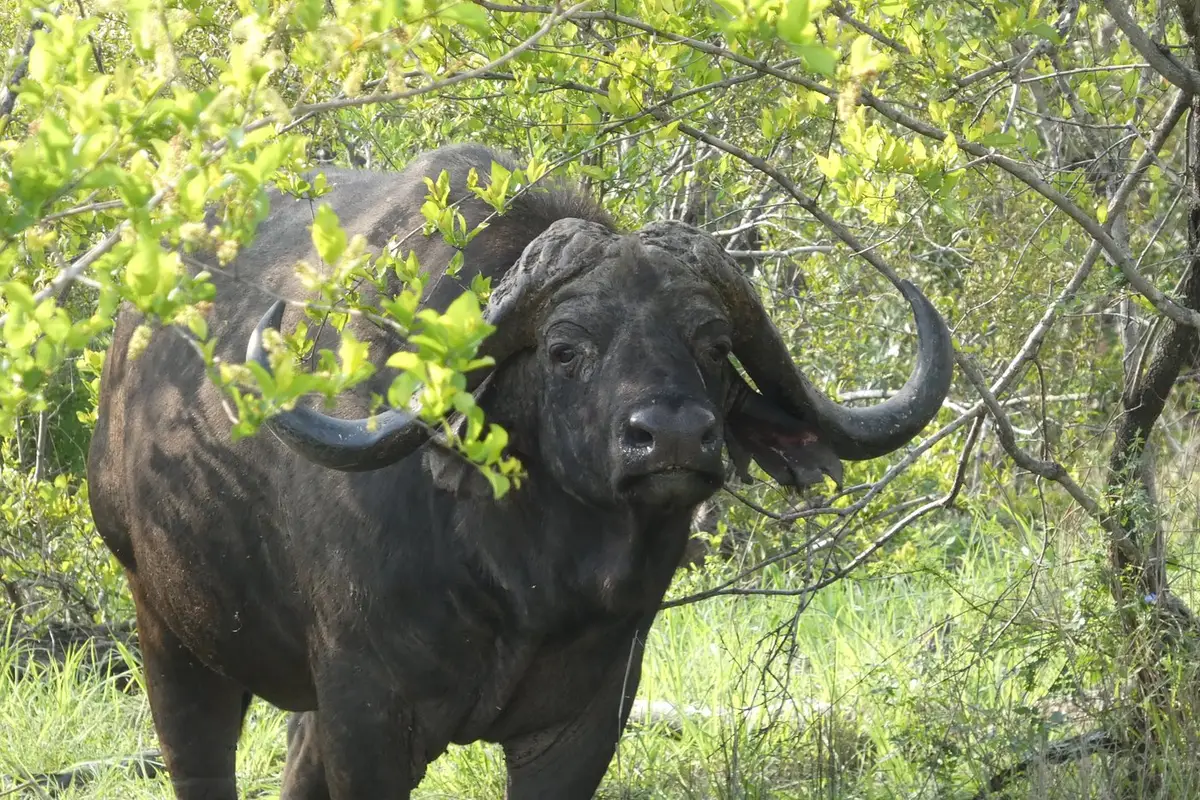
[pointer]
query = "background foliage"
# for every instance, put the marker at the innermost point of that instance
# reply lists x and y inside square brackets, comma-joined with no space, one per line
[1004,605]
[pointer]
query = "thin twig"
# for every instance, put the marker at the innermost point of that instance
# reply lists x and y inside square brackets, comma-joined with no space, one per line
[1028,350]
[1160,58]
[88,208]
[92,41]
[1051,470]
[1072,749]
[556,15]
[9,97]
[831,578]
[1024,173]
[1050,76]
[787,253]
[866,252]
[841,12]
[80,264]
[1116,253]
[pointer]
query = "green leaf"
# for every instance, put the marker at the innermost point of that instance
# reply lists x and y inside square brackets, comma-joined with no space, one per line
[19,296]
[353,355]
[1046,31]
[464,313]
[766,123]
[865,60]
[831,165]
[405,360]
[818,58]
[1129,82]
[308,13]
[145,267]
[998,139]
[595,172]
[469,14]
[327,235]
[792,24]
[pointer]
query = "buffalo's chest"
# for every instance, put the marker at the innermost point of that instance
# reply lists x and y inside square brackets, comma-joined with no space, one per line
[547,683]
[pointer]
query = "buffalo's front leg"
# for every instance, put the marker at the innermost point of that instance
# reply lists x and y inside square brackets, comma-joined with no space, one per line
[366,739]
[197,712]
[568,762]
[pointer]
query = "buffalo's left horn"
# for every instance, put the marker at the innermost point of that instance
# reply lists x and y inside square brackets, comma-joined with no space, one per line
[854,434]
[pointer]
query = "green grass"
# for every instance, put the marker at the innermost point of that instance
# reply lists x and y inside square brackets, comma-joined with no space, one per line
[917,681]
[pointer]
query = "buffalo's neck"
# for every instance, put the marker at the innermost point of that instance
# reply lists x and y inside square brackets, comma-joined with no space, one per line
[572,583]
[596,561]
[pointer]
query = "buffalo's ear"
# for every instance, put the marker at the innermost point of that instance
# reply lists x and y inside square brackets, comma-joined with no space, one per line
[788,450]
[509,400]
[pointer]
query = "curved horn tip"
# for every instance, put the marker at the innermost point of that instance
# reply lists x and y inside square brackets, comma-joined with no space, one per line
[927,312]
[349,445]
[274,316]
[912,294]
[272,319]
[892,424]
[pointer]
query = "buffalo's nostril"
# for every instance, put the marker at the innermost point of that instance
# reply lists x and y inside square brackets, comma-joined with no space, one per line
[638,433]
[702,424]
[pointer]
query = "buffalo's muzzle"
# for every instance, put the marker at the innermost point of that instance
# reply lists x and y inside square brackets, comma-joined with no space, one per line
[678,446]
[659,435]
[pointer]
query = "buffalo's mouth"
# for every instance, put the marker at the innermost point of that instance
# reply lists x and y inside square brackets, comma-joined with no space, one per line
[670,485]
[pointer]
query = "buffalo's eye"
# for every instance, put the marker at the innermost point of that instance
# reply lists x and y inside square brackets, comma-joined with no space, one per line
[719,351]
[563,354]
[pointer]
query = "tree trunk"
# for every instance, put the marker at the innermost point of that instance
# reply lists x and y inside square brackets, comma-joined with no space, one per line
[1138,553]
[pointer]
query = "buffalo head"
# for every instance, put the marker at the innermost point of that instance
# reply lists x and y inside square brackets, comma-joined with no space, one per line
[619,345]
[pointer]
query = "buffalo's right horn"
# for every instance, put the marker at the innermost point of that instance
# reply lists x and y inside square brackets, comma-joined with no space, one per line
[349,445]
[567,247]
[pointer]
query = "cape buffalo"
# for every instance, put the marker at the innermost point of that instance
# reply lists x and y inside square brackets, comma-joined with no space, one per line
[363,574]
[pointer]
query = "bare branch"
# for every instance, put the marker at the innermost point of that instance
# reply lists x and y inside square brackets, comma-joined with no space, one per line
[841,12]
[8,98]
[695,44]
[1116,253]
[1051,76]
[1072,749]
[1064,23]
[788,253]
[1189,13]
[1130,483]
[829,579]
[839,230]
[1012,402]
[87,208]
[1116,208]
[76,268]
[1051,470]
[91,40]
[1160,58]
[556,15]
